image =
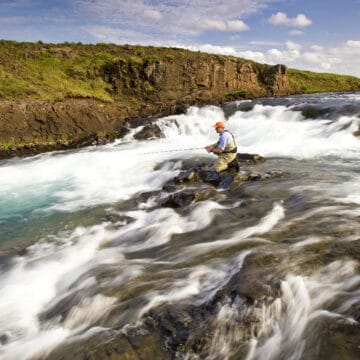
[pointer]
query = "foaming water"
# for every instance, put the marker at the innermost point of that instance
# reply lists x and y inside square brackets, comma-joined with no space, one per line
[304,302]
[34,280]
[281,131]
[76,280]
[265,225]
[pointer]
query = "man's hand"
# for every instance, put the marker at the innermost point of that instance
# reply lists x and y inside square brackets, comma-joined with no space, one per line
[209,148]
[216,150]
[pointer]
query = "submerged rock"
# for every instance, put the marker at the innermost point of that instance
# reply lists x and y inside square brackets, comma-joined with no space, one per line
[114,345]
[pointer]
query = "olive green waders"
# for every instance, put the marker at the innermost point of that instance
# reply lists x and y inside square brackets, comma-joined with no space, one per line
[225,158]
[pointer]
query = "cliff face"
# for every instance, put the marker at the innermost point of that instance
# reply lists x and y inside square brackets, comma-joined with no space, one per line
[137,86]
[196,81]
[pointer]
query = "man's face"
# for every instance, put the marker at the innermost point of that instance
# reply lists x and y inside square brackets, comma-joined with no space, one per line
[219,129]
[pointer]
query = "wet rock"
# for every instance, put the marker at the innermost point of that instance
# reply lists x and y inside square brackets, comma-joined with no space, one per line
[225,181]
[91,139]
[170,186]
[244,158]
[210,176]
[242,176]
[145,196]
[271,174]
[200,175]
[4,338]
[113,345]
[199,330]
[186,197]
[117,218]
[341,341]
[357,133]
[151,131]
[189,175]
[255,282]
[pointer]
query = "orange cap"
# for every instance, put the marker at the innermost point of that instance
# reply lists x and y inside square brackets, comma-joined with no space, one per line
[219,124]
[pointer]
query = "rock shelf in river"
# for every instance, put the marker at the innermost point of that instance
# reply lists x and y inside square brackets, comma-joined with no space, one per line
[201,183]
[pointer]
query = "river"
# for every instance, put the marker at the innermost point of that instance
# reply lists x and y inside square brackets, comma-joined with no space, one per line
[84,255]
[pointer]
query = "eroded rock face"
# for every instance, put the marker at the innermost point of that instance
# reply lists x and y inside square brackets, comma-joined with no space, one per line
[29,127]
[146,90]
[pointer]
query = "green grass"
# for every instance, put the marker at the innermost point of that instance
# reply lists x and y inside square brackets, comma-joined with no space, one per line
[75,70]
[310,82]
[6,145]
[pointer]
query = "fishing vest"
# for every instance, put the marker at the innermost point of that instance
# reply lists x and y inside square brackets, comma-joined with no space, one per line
[231,147]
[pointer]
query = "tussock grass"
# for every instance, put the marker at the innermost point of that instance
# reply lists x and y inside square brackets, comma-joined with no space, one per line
[310,82]
[75,70]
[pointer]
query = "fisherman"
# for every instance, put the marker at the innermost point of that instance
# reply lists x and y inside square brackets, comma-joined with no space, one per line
[224,148]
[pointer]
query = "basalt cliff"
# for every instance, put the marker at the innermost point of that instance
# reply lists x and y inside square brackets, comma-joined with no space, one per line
[55,96]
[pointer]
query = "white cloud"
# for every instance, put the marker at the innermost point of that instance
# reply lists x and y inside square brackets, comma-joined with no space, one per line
[295,32]
[152,14]
[253,55]
[311,58]
[341,59]
[317,47]
[225,50]
[281,18]
[325,66]
[353,44]
[209,24]
[275,54]
[292,46]
[237,25]
[231,26]
[265,43]
[171,18]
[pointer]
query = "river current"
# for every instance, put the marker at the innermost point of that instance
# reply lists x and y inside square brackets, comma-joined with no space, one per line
[82,253]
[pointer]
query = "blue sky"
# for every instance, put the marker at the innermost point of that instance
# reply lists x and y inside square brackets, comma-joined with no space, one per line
[317,35]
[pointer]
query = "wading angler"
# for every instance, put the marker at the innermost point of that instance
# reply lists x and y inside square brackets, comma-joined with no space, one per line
[225,148]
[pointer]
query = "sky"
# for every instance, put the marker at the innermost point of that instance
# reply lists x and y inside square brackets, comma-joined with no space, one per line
[316,35]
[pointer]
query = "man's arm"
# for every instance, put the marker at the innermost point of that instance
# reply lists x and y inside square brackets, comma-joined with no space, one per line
[211,147]
[217,150]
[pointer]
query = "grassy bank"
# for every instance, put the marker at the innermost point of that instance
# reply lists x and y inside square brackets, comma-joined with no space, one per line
[310,82]
[75,70]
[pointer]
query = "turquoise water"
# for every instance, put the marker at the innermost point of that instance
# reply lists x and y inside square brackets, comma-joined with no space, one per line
[84,252]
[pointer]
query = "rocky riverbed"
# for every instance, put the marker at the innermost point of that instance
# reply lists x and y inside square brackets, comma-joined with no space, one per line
[134,249]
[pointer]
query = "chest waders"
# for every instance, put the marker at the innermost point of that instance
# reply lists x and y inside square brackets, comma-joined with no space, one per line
[227,156]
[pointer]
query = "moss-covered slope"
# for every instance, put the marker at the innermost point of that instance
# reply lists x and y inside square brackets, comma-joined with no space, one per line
[60,93]
[310,82]
[110,72]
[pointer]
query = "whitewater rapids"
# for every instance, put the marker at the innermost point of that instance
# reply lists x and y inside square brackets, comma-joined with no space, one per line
[73,234]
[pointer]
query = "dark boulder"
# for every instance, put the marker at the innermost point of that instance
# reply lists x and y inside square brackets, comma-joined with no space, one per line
[188,186]
[189,175]
[186,197]
[225,181]
[244,158]
[210,176]
[151,131]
